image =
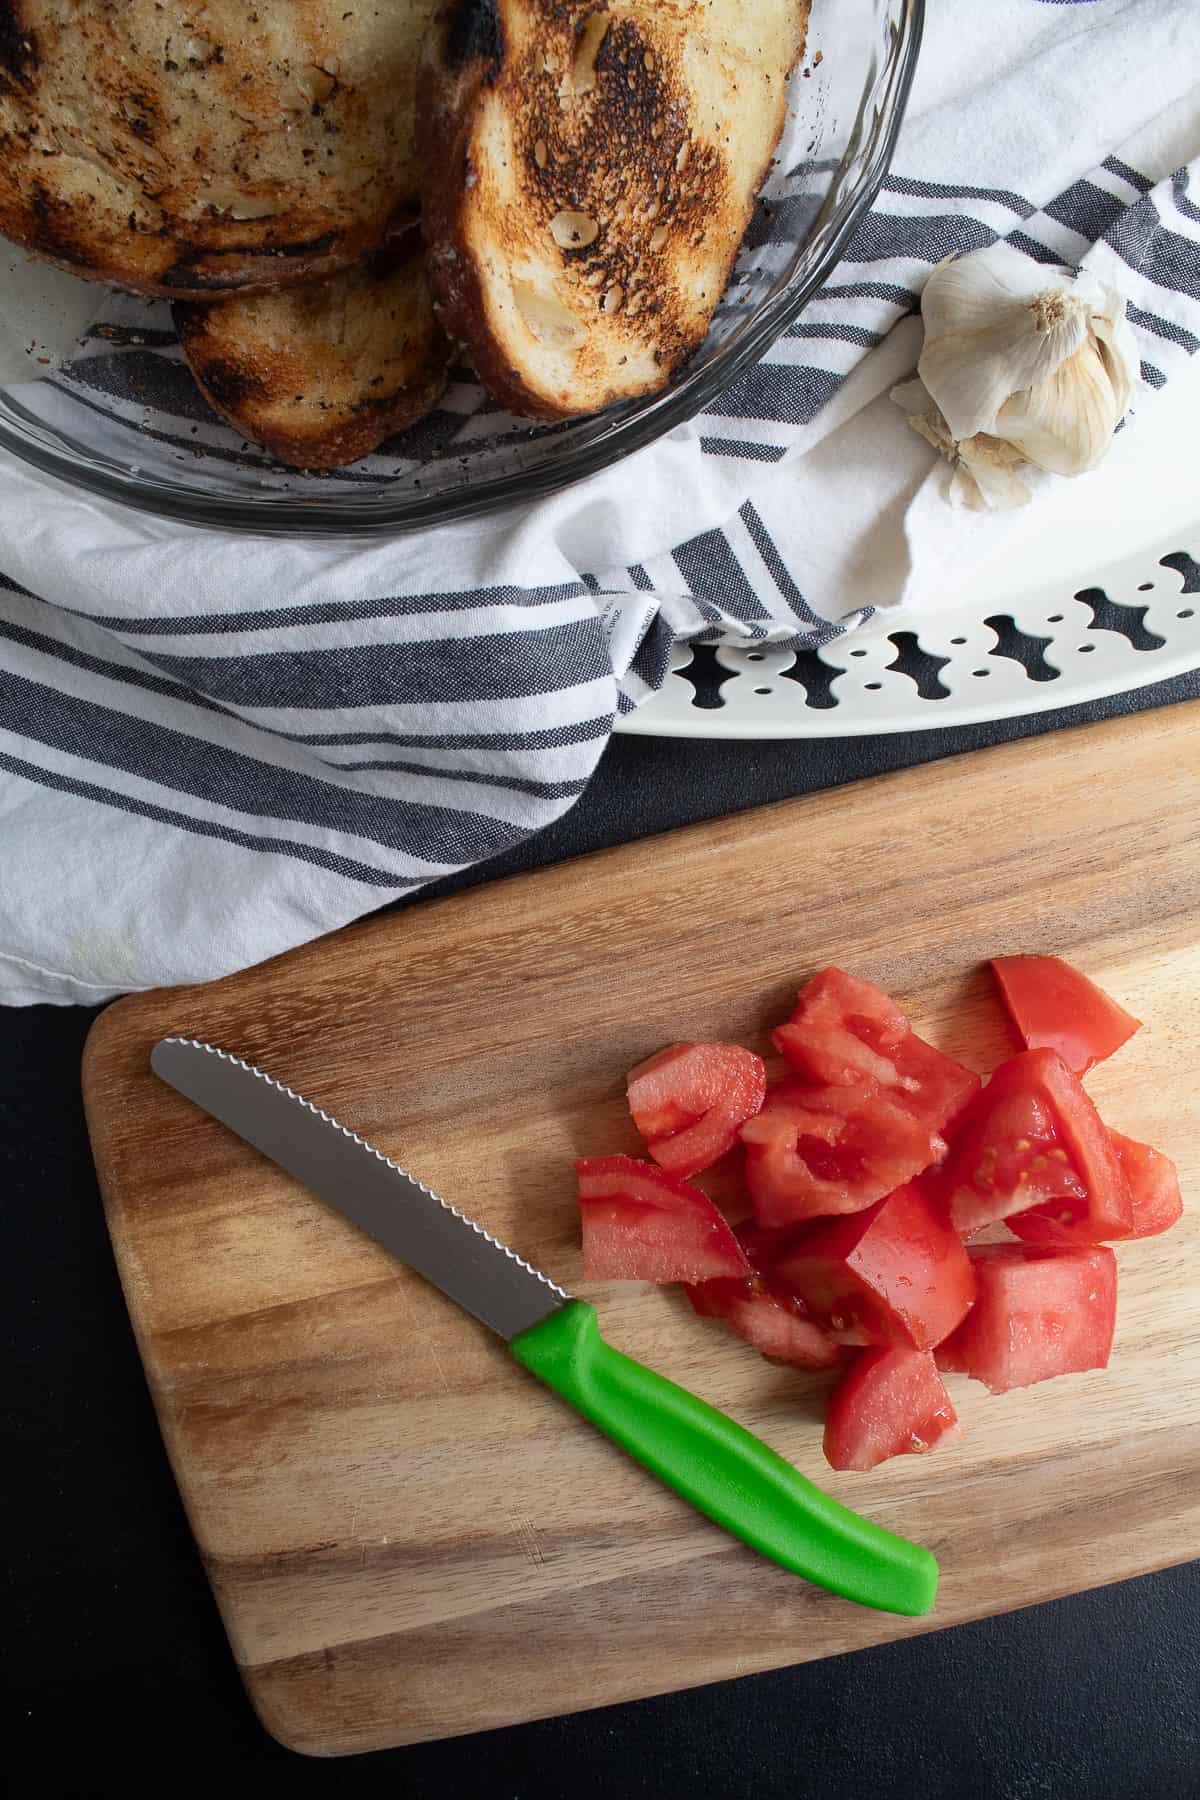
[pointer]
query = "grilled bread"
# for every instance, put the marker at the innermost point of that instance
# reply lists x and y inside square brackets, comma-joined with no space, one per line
[322,374]
[192,147]
[590,173]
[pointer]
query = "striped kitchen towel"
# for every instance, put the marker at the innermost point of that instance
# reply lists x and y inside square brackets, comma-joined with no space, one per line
[212,748]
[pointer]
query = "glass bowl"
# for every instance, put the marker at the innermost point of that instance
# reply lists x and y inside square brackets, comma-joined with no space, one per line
[124,419]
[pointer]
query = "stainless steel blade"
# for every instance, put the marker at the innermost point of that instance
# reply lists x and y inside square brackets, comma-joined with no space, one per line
[485,1277]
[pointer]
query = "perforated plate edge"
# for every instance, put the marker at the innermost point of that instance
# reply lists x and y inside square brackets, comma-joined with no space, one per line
[765,695]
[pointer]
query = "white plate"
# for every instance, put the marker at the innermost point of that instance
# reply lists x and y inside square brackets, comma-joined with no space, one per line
[992,671]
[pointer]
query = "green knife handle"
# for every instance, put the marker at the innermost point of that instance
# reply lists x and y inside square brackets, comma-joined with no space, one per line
[723,1470]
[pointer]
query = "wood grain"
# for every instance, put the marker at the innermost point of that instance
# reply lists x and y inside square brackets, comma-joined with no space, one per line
[407,1536]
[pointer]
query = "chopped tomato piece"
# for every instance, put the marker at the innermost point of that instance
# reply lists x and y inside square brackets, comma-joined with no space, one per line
[1008,1154]
[763,1311]
[779,1331]
[889,1402]
[641,1224]
[894,1274]
[689,1100]
[1034,1140]
[1054,1007]
[845,1032]
[1153,1185]
[835,1149]
[1157,1203]
[1037,1313]
[866,1117]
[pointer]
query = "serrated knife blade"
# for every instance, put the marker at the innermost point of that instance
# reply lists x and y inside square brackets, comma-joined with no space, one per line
[484,1276]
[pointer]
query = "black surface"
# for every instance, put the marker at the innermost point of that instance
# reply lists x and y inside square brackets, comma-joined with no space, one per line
[116,1668]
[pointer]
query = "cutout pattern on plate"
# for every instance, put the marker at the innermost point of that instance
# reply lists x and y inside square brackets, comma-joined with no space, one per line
[1132,625]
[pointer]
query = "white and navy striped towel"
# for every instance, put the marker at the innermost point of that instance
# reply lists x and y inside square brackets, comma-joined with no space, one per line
[212,749]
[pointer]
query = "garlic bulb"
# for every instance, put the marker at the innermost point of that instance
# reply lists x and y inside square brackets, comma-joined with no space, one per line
[1021,365]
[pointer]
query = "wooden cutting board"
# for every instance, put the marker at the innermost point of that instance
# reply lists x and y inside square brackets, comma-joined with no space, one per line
[407,1536]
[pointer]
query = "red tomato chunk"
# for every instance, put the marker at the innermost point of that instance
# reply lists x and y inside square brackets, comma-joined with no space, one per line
[1054,1007]
[779,1331]
[641,1224]
[813,1151]
[867,1114]
[1037,1314]
[845,1032]
[1007,1154]
[894,1274]
[1155,1202]
[889,1402]
[763,1311]
[689,1100]
[1033,1145]
[1153,1185]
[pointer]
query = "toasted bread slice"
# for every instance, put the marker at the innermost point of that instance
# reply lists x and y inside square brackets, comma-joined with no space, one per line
[322,374]
[191,147]
[591,171]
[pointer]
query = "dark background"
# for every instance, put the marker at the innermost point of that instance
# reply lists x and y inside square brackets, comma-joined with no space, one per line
[117,1670]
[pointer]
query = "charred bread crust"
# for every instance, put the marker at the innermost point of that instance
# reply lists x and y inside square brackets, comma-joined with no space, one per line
[267,365]
[193,151]
[162,268]
[464,53]
[617,149]
[371,423]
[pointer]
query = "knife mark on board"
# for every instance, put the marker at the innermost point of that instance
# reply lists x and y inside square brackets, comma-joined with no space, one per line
[527,1536]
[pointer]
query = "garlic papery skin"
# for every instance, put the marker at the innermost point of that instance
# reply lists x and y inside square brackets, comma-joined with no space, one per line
[987,475]
[1022,364]
[986,471]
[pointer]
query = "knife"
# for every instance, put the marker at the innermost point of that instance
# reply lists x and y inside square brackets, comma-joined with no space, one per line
[722,1469]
